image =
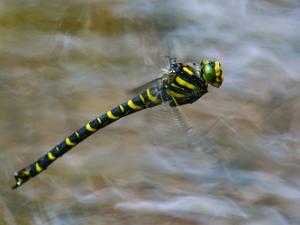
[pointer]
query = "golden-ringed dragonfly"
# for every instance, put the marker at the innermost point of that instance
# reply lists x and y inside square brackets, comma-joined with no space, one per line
[182,83]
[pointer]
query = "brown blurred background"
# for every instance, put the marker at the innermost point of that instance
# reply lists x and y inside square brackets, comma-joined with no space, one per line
[62,63]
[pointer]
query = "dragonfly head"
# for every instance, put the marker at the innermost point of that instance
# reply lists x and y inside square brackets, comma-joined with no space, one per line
[212,72]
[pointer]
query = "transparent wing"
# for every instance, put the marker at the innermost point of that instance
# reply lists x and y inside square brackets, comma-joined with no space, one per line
[168,62]
[139,89]
[180,119]
[171,122]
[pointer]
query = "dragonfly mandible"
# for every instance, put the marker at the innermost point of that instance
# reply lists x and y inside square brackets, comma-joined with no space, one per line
[182,83]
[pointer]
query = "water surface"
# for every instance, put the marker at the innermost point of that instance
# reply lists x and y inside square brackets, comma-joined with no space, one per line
[64,63]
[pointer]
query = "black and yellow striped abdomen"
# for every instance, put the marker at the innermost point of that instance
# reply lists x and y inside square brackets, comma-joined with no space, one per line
[149,98]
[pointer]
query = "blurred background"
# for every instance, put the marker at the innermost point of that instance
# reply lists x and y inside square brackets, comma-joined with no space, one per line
[62,63]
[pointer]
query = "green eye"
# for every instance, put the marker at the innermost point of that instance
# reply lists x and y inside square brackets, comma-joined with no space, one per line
[209,73]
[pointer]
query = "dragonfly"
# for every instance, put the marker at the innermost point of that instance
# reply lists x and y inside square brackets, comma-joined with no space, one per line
[180,84]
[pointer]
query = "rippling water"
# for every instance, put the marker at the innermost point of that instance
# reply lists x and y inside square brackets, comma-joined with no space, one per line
[62,63]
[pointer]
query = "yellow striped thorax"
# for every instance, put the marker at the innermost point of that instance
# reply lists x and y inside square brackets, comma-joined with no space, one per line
[212,72]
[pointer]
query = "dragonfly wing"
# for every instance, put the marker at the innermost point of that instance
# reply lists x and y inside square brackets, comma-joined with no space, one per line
[170,124]
[180,116]
[168,61]
[168,127]
[139,89]
[180,121]
[169,120]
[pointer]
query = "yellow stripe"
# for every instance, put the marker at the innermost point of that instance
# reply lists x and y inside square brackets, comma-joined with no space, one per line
[89,128]
[50,156]
[111,116]
[99,120]
[217,65]
[38,168]
[27,172]
[69,142]
[77,135]
[185,83]
[142,98]
[176,95]
[122,108]
[174,85]
[187,70]
[217,68]
[133,106]
[150,96]
[57,148]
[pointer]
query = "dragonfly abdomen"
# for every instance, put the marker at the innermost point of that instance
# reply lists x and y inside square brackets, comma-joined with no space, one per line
[148,98]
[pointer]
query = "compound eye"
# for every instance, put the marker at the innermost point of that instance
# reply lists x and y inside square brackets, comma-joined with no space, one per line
[209,72]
